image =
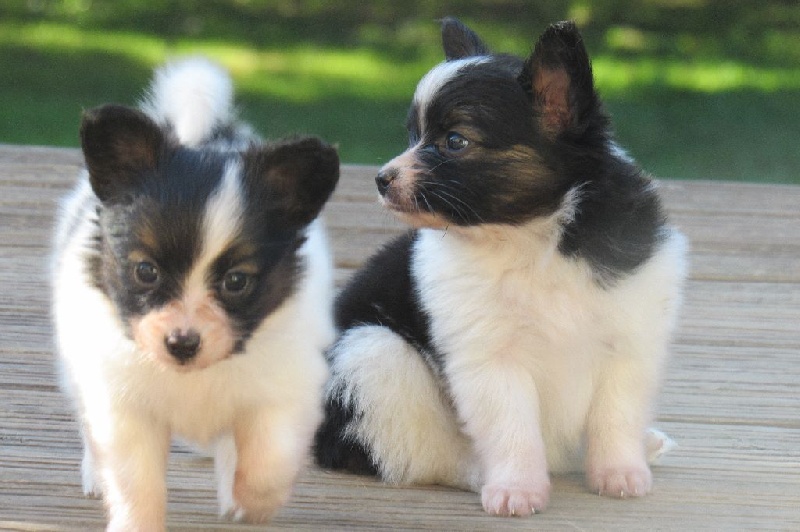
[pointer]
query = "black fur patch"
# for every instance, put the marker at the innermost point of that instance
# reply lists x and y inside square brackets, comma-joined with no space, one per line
[382,294]
[159,219]
[333,448]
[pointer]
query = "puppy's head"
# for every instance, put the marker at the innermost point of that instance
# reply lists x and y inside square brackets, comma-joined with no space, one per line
[196,248]
[492,138]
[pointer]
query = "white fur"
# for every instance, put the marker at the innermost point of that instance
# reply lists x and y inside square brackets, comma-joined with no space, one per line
[546,369]
[193,95]
[224,213]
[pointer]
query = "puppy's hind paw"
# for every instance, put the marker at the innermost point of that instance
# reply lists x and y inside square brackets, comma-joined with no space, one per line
[91,487]
[621,483]
[515,500]
[657,444]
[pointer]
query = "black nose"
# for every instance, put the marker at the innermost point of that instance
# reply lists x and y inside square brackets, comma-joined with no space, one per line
[183,345]
[384,179]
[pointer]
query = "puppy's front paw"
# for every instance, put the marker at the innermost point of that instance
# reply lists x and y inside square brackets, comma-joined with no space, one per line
[515,499]
[621,482]
[252,505]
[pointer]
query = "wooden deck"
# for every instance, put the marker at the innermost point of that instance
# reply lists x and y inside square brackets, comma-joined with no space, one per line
[731,398]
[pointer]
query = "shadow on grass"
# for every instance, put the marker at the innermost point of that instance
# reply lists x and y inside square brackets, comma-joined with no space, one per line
[43,94]
[740,135]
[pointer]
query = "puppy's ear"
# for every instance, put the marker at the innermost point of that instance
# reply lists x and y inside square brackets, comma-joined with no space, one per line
[296,177]
[459,41]
[120,146]
[558,76]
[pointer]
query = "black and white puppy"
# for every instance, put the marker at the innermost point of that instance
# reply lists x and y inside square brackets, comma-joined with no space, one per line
[523,326]
[192,297]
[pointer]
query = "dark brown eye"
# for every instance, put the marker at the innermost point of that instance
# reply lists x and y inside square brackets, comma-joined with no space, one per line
[235,282]
[146,273]
[456,141]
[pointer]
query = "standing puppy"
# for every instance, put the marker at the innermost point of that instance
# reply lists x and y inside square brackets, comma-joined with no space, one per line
[191,296]
[523,326]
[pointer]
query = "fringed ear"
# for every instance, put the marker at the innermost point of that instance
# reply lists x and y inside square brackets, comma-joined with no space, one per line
[297,177]
[558,75]
[459,41]
[120,145]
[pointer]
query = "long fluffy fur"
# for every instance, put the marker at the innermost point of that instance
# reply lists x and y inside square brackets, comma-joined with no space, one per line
[194,96]
[256,401]
[523,327]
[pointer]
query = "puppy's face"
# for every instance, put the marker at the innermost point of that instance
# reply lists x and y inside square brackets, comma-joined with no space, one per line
[197,248]
[483,134]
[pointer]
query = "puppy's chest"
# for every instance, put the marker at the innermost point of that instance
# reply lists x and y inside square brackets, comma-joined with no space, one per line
[543,305]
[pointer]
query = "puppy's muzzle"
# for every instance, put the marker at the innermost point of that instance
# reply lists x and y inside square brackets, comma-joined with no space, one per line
[183,345]
[384,179]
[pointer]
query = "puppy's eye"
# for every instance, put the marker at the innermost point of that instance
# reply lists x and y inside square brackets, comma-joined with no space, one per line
[456,142]
[146,273]
[235,282]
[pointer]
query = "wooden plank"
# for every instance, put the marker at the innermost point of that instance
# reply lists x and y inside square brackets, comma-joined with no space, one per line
[731,396]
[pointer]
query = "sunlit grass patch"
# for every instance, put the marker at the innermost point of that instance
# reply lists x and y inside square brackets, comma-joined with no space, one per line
[63,38]
[618,75]
[300,73]
[305,73]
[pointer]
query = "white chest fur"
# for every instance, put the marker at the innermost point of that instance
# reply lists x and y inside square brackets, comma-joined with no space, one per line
[504,299]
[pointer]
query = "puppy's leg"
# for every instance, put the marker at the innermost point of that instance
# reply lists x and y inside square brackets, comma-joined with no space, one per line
[400,414]
[616,454]
[498,403]
[132,454]
[618,442]
[225,469]
[271,447]
[89,481]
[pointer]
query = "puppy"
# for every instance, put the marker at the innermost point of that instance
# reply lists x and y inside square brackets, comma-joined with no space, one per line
[522,327]
[192,294]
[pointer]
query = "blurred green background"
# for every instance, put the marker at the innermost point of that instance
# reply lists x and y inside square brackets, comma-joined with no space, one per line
[700,89]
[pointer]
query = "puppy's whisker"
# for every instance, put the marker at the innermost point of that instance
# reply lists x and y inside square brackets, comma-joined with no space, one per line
[455,202]
[463,186]
[461,201]
[456,209]
[431,170]
[425,199]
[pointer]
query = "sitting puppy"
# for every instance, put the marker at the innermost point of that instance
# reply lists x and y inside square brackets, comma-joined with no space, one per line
[192,294]
[523,326]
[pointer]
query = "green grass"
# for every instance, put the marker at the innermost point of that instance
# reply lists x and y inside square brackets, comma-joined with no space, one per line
[709,118]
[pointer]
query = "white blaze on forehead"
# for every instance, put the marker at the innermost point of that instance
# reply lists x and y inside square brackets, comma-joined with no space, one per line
[434,80]
[221,223]
[224,212]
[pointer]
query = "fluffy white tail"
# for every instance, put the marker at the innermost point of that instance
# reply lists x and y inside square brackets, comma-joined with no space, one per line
[194,95]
